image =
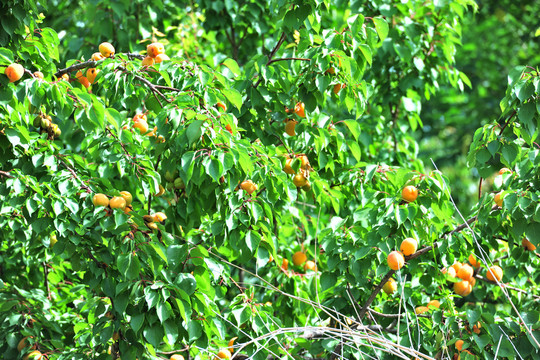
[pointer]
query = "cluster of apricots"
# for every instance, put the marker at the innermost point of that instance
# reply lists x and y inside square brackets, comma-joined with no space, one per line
[331,71]
[33,354]
[122,202]
[151,220]
[433,304]
[45,124]
[106,50]
[155,53]
[248,186]
[300,178]
[140,122]
[290,124]
[299,258]
[396,259]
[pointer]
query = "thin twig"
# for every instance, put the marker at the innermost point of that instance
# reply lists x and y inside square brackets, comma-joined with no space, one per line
[286,59]
[271,55]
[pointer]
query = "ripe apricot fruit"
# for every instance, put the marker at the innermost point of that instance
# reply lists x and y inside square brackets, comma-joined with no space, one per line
[304,162]
[148,61]
[299,109]
[100,200]
[222,106]
[299,258]
[118,202]
[465,272]
[154,49]
[159,217]
[176,357]
[290,126]
[498,199]
[459,345]
[390,286]
[494,272]
[395,260]
[409,193]
[14,72]
[457,265]
[231,343]
[330,71]
[97,56]
[435,303]
[285,264]
[161,190]
[449,271]
[91,74]
[337,88]
[408,246]
[472,259]
[421,310]
[310,265]
[223,354]
[161,57]
[527,244]
[476,328]
[106,49]
[128,209]
[83,80]
[127,196]
[39,75]
[248,186]
[34,355]
[139,117]
[300,180]
[229,128]
[462,288]
[288,167]
[504,170]
[141,125]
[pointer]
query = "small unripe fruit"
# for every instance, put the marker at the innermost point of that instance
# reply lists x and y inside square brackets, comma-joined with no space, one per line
[395,260]
[179,183]
[170,175]
[408,246]
[299,258]
[409,193]
[154,49]
[52,240]
[100,200]
[14,72]
[106,49]
[118,202]
[390,286]
[494,272]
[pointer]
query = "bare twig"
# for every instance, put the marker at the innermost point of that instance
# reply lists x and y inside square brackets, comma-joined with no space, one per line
[288,58]
[6,174]
[271,55]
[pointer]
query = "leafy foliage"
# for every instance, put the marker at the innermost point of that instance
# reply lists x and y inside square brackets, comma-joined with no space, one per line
[239,194]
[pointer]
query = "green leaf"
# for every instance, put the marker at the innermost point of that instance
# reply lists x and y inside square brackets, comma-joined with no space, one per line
[232,65]
[233,96]
[381,26]
[164,311]
[154,334]
[194,131]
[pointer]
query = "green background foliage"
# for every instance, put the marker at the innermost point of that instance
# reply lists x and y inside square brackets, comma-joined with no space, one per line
[418,82]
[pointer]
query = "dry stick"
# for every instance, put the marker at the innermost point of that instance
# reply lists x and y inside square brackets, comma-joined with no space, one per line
[271,55]
[6,174]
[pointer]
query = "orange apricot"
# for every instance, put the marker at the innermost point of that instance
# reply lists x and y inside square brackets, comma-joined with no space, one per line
[299,258]
[148,61]
[390,286]
[100,200]
[285,264]
[474,262]
[142,126]
[435,303]
[222,106]
[465,272]
[504,170]
[14,72]
[310,265]
[459,345]
[106,49]
[449,271]
[494,272]
[154,49]
[290,126]
[288,167]
[409,193]
[395,260]
[527,244]
[248,186]
[91,74]
[161,57]
[498,199]
[462,288]
[117,202]
[299,109]
[408,246]
[223,354]
[97,56]
[421,310]
[39,75]
[337,88]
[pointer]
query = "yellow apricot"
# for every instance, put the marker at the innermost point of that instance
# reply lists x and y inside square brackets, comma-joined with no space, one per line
[395,260]
[100,200]
[408,246]
[14,72]
[106,49]
[299,258]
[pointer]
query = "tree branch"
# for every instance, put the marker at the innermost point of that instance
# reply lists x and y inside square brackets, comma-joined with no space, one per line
[271,55]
